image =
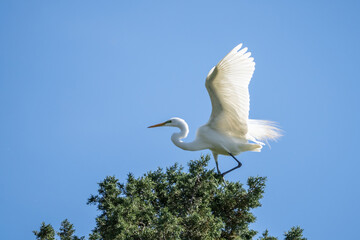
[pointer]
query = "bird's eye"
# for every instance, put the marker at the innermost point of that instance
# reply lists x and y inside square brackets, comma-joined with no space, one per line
[169,121]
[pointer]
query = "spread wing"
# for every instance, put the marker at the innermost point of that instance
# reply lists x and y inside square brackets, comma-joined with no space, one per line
[227,84]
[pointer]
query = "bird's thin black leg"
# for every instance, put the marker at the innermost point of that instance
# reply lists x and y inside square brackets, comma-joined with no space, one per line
[239,165]
[217,167]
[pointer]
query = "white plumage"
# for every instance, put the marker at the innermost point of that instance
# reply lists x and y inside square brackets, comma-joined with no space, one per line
[229,128]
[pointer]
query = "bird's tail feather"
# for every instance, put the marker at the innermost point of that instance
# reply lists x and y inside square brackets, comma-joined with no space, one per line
[263,130]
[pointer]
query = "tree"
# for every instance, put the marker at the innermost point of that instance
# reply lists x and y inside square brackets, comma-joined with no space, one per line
[295,233]
[66,232]
[46,232]
[174,204]
[265,236]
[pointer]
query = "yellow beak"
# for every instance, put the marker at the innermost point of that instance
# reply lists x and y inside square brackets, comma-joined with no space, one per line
[158,125]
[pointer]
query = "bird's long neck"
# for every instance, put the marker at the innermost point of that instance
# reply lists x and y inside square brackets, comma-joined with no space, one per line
[184,131]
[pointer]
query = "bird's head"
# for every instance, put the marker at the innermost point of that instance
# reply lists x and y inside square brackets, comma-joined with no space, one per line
[172,122]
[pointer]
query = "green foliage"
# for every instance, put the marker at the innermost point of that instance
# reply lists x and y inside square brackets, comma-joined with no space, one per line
[295,233]
[265,236]
[177,205]
[46,232]
[174,204]
[66,232]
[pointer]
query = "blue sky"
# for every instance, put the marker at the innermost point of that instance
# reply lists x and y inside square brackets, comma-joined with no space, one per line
[81,80]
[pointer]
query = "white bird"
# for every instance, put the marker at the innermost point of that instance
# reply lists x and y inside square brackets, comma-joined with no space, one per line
[229,128]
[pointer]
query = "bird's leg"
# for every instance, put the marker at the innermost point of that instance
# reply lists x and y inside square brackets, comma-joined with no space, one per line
[217,167]
[216,162]
[218,170]
[239,165]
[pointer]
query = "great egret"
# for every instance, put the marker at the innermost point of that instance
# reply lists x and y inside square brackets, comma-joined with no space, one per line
[229,128]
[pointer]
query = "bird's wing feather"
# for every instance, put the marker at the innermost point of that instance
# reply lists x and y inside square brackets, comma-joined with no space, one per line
[227,84]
